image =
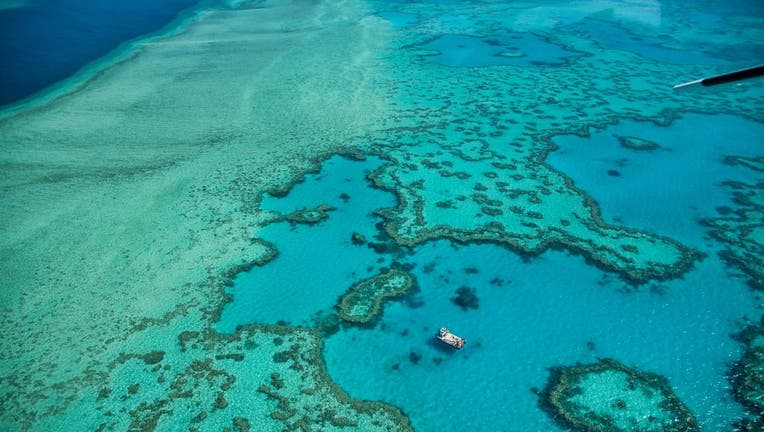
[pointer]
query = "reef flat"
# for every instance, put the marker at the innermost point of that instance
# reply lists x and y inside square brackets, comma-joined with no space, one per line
[610,397]
[128,198]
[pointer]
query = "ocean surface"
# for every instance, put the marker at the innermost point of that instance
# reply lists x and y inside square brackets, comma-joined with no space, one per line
[181,228]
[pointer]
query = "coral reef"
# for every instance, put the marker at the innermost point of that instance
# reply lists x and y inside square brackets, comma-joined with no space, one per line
[310,216]
[610,397]
[743,230]
[363,301]
[262,377]
[747,374]
[636,143]
[105,249]
[133,193]
[358,239]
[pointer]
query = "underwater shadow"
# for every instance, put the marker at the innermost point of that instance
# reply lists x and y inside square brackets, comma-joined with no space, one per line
[441,347]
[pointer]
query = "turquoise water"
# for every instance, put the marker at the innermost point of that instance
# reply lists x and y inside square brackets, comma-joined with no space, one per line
[531,153]
[668,190]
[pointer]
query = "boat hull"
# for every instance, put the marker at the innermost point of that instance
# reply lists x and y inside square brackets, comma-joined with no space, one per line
[451,339]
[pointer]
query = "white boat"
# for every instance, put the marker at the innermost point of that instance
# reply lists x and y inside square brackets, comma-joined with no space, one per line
[451,339]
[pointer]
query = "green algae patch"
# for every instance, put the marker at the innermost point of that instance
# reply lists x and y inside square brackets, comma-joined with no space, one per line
[362,303]
[747,375]
[610,397]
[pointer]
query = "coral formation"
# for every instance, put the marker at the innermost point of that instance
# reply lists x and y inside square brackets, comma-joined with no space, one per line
[212,382]
[133,195]
[742,232]
[109,247]
[636,143]
[310,216]
[747,375]
[363,301]
[358,239]
[471,172]
[609,397]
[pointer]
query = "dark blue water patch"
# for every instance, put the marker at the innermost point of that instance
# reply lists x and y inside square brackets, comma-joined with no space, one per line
[399,20]
[615,37]
[509,49]
[669,189]
[49,40]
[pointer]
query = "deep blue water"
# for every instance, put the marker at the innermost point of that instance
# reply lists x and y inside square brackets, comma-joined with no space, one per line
[49,40]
